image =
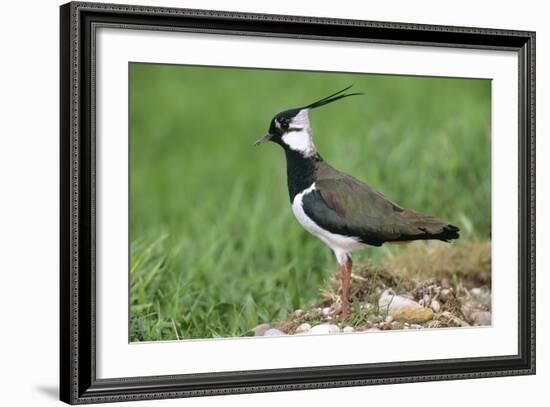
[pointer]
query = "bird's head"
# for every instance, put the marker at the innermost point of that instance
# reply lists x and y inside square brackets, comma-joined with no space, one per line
[291,128]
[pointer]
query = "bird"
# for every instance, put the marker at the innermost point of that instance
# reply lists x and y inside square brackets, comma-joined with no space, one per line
[339,209]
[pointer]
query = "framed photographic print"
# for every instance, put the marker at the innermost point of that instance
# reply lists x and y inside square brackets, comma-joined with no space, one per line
[256,203]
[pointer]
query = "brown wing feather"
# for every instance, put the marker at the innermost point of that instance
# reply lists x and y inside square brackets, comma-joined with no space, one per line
[359,210]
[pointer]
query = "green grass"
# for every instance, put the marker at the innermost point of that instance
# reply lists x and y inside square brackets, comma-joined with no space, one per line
[215,249]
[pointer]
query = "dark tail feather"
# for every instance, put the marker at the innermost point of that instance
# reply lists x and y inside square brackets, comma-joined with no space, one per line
[419,226]
[433,228]
[445,233]
[450,232]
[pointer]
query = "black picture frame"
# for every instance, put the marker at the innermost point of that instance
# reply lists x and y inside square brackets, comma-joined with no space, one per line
[78,382]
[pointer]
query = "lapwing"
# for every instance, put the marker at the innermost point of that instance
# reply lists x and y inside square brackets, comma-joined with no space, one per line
[343,212]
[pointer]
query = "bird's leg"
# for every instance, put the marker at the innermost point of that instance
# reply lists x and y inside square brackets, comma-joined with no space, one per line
[345,275]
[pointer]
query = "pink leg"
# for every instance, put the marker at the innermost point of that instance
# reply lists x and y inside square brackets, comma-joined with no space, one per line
[345,275]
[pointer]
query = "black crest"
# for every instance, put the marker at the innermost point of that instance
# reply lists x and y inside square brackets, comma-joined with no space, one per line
[331,98]
[284,118]
[281,123]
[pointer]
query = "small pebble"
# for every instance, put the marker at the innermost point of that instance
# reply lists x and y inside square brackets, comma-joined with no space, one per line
[326,311]
[274,332]
[481,294]
[435,306]
[389,318]
[336,308]
[348,329]
[481,318]
[391,302]
[261,329]
[476,292]
[325,329]
[444,294]
[468,307]
[303,328]
[450,319]
[373,319]
[414,315]
[298,313]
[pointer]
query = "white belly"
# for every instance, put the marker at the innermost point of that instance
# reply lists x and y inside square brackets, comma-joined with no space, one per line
[340,245]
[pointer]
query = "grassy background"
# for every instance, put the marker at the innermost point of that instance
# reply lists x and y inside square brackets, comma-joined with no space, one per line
[215,249]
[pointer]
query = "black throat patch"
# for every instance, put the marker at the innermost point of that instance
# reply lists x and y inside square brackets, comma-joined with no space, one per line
[300,171]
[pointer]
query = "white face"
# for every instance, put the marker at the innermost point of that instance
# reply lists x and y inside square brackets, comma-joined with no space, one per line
[299,139]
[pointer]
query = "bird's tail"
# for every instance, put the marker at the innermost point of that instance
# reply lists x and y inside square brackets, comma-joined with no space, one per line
[434,228]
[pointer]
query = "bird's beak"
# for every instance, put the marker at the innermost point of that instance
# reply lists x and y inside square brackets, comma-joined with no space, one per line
[263,139]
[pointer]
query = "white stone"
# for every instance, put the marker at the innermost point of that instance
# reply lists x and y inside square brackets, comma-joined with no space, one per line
[391,302]
[481,294]
[298,313]
[373,319]
[274,332]
[435,306]
[348,329]
[261,329]
[325,329]
[444,294]
[481,317]
[326,311]
[476,292]
[303,328]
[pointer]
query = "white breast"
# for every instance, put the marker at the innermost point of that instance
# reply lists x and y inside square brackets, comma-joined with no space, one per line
[340,245]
